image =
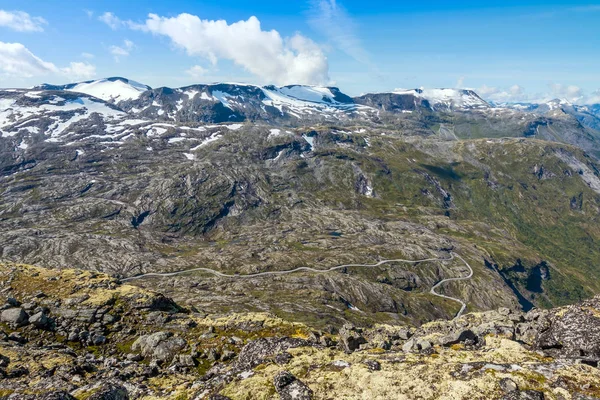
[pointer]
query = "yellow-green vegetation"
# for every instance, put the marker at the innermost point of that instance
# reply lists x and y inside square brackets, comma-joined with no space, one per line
[447,374]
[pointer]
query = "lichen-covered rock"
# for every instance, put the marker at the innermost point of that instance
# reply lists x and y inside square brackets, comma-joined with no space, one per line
[110,391]
[351,338]
[257,351]
[290,388]
[60,395]
[465,336]
[524,395]
[159,346]
[573,331]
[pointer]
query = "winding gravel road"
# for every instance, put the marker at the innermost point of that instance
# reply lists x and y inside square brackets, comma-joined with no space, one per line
[321,271]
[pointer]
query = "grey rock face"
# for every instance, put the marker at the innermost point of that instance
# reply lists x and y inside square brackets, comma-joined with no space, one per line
[466,336]
[290,388]
[508,385]
[40,320]
[160,346]
[351,338]
[257,351]
[57,396]
[14,316]
[573,333]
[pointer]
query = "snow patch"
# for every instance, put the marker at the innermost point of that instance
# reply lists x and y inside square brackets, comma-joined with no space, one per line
[310,140]
[111,90]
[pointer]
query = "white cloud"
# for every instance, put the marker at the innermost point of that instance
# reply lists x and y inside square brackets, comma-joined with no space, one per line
[123,50]
[20,21]
[594,98]
[111,20]
[571,93]
[460,83]
[17,61]
[79,71]
[516,94]
[89,56]
[513,94]
[263,53]
[329,18]
[196,72]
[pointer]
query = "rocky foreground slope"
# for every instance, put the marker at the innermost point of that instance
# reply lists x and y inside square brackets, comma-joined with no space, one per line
[78,334]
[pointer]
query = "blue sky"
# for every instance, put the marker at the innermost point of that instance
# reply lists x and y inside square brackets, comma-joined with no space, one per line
[507,50]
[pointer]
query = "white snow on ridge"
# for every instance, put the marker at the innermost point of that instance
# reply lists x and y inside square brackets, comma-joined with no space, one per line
[116,90]
[447,97]
[312,94]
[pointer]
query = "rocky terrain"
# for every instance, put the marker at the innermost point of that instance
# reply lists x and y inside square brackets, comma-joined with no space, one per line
[143,180]
[70,333]
[307,244]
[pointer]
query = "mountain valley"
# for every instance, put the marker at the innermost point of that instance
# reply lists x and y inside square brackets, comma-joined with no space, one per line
[301,207]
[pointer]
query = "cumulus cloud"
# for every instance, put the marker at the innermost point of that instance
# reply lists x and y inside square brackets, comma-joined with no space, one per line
[123,50]
[263,53]
[111,20]
[196,72]
[17,61]
[594,98]
[20,21]
[79,71]
[570,93]
[513,94]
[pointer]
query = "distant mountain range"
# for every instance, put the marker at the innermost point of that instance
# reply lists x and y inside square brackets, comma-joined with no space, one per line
[111,111]
[115,176]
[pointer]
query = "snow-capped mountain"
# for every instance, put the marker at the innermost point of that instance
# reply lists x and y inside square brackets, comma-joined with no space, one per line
[431,99]
[110,89]
[112,112]
[445,99]
[587,115]
[224,102]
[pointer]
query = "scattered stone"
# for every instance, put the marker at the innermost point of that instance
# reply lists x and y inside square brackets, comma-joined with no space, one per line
[258,351]
[4,361]
[57,396]
[283,358]
[40,320]
[17,337]
[508,385]
[110,391]
[14,316]
[12,302]
[372,365]
[290,388]
[160,346]
[467,337]
[524,395]
[227,355]
[183,360]
[135,357]
[351,338]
